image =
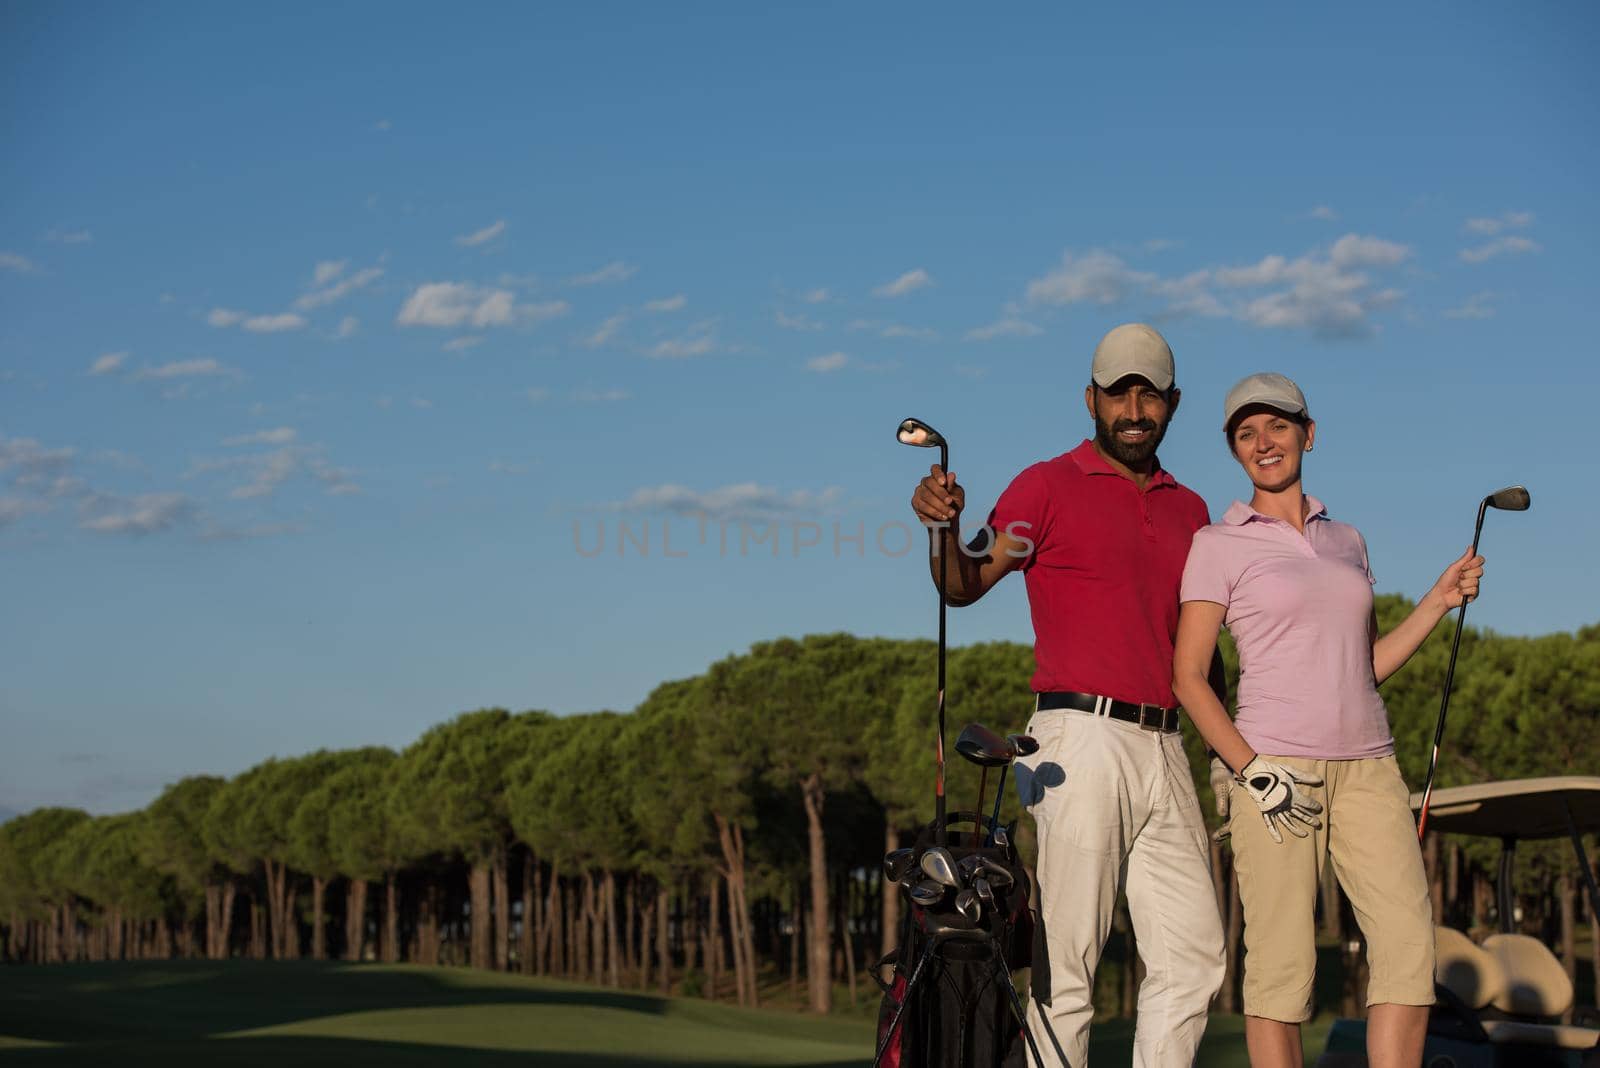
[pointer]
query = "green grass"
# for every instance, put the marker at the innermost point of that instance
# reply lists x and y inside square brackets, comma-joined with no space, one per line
[303,1014]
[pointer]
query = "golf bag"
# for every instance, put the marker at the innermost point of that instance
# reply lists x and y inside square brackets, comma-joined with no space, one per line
[951,1002]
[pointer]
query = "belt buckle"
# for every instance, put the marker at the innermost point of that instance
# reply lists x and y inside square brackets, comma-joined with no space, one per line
[1160,720]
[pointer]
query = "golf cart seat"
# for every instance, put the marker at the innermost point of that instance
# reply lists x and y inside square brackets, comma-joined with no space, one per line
[1536,985]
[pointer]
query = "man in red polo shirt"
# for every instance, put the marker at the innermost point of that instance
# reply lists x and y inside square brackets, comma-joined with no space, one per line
[1101,534]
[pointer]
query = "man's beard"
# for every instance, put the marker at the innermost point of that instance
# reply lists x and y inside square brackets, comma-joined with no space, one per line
[1125,453]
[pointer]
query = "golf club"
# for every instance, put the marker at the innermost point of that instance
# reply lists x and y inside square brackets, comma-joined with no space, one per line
[1510,499]
[967,905]
[898,862]
[997,875]
[927,893]
[940,866]
[919,434]
[986,749]
[1025,745]
[985,892]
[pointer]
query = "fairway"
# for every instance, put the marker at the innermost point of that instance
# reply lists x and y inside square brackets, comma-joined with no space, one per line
[306,1013]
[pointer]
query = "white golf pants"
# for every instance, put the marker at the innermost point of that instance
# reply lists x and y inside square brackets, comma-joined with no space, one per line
[1116,811]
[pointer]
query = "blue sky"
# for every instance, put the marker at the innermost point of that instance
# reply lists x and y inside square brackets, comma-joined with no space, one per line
[348,355]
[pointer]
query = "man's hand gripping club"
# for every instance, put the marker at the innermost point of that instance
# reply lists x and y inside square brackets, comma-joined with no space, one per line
[1277,792]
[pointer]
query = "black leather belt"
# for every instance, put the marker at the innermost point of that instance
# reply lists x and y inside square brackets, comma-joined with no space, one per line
[1150,717]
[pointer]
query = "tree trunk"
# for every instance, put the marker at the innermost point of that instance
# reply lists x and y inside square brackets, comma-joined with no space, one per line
[613,956]
[796,923]
[891,896]
[713,953]
[848,938]
[481,918]
[818,980]
[647,917]
[391,919]
[529,936]
[553,955]
[355,920]
[1452,886]
[502,911]
[1567,893]
[258,932]
[230,894]
[663,941]
[319,934]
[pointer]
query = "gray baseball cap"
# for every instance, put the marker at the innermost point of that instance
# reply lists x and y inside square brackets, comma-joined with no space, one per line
[1273,390]
[1133,349]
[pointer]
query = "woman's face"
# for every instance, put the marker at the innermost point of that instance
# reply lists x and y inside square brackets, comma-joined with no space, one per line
[1269,445]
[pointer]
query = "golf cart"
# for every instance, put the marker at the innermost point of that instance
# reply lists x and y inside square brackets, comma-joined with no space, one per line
[1500,1003]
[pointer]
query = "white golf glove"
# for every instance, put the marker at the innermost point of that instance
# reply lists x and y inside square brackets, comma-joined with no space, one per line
[1221,789]
[1277,792]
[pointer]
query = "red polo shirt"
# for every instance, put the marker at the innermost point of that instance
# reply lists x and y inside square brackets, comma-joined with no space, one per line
[1103,574]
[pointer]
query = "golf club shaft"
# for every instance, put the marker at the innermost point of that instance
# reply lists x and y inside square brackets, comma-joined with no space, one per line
[944,571]
[999,796]
[1449,677]
[983,788]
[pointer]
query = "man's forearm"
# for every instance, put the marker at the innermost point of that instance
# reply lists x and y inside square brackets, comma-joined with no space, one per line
[962,584]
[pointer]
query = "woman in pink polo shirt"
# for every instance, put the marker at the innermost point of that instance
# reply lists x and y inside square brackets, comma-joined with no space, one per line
[1310,749]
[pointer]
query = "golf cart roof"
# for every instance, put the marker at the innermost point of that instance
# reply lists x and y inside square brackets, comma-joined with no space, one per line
[1518,808]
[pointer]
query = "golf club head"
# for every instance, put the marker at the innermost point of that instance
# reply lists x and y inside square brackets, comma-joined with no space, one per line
[1000,838]
[916,432]
[968,867]
[984,747]
[996,874]
[967,905]
[927,893]
[898,862]
[939,865]
[1510,499]
[1024,744]
[985,892]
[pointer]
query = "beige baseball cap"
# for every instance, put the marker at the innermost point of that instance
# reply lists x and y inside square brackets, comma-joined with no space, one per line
[1133,349]
[1272,390]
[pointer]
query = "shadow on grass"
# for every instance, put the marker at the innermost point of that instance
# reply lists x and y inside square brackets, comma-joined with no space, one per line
[85,1003]
[335,1053]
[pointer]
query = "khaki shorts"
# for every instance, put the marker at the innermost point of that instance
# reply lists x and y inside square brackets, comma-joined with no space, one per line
[1368,833]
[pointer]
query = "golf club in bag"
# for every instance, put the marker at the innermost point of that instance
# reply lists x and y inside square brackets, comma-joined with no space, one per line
[951,1002]
[1510,499]
[916,432]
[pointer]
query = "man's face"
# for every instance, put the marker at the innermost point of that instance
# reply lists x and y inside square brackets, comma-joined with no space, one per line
[1130,419]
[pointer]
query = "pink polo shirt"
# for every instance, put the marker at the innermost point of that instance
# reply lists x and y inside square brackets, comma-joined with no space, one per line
[1298,609]
[1103,573]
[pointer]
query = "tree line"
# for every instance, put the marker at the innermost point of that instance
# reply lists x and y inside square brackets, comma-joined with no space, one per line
[723,838]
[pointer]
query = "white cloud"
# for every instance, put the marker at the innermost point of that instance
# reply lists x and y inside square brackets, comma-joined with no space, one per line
[15,261]
[347,326]
[797,322]
[282,435]
[1477,306]
[461,344]
[383,126]
[605,332]
[327,271]
[666,304]
[273,324]
[814,296]
[69,237]
[1510,245]
[110,363]
[538,395]
[1354,250]
[1095,277]
[615,271]
[1511,220]
[909,282]
[31,462]
[833,361]
[360,280]
[183,369]
[1009,326]
[1324,212]
[697,342]
[484,236]
[15,508]
[421,403]
[501,467]
[146,513]
[743,500]
[451,304]
[223,317]
[893,330]
[265,472]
